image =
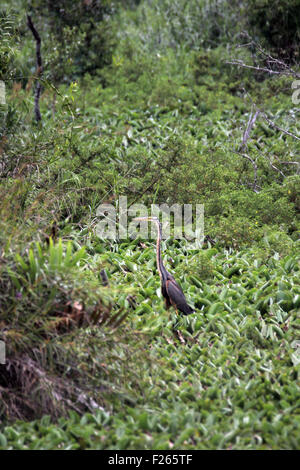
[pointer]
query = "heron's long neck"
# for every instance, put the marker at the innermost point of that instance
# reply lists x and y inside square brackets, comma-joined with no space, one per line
[160,266]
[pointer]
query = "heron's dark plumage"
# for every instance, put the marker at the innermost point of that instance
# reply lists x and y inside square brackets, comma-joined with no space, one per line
[176,297]
[171,291]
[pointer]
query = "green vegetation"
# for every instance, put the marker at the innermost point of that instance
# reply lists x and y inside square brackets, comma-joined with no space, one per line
[139,99]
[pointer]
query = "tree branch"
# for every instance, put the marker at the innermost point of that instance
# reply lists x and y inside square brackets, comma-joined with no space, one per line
[240,63]
[272,124]
[250,124]
[277,66]
[254,184]
[39,68]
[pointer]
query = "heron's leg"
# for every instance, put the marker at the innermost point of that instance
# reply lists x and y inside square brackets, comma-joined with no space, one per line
[175,321]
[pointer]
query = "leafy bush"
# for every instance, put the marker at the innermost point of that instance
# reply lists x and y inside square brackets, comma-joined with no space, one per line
[60,329]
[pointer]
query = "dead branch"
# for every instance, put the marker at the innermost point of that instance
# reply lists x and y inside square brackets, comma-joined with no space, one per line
[274,66]
[289,163]
[272,124]
[39,69]
[250,124]
[272,164]
[254,184]
[274,167]
[240,63]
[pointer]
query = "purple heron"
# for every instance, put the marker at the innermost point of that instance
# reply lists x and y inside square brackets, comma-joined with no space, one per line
[171,291]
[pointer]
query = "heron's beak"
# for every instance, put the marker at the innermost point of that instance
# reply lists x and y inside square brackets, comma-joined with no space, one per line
[142,218]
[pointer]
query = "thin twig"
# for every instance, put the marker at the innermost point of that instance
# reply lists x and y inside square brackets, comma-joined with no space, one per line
[272,124]
[272,164]
[289,163]
[244,155]
[275,167]
[239,63]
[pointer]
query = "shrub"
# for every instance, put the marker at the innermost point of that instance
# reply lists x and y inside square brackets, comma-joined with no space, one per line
[62,331]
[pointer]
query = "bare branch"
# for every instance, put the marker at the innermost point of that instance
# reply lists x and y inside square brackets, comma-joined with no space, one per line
[272,124]
[274,167]
[254,184]
[250,124]
[239,63]
[289,163]
[272,164]
[277,66]
[39,68]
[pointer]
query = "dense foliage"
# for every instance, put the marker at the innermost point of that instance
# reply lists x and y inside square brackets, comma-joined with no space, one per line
[142,99]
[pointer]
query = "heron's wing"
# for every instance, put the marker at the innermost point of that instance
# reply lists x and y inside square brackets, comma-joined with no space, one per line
[166,296]
[177,297]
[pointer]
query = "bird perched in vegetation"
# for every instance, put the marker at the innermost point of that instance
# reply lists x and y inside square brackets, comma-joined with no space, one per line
[171,291]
